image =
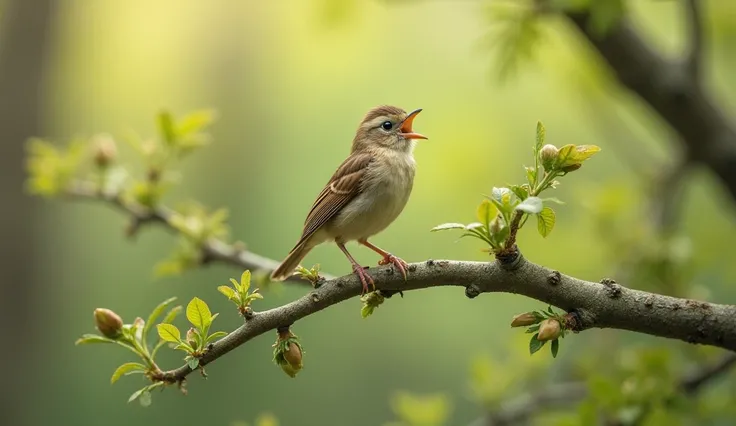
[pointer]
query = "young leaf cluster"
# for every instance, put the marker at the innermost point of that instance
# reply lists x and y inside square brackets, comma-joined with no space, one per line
[370,302]
[545,325]
[500,215]
[197,338]
[134,337]
[312,275]
[239,294]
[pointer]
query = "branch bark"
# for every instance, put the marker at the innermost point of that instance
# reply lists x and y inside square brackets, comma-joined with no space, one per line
[671,89]
[592,305]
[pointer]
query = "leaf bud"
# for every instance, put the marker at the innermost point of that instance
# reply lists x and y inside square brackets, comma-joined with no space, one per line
[549,329]
[105,151]
[108,323]
[548,155]
[192,338]
[522,320]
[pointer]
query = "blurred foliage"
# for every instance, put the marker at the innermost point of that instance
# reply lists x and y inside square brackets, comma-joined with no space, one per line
[288,114]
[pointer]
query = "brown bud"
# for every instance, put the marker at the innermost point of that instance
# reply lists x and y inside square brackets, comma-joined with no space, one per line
[571,167]
[548,155]
[549,329]
[294,356]
[192,338]
[105,151]
[496,226]
[522,320]
[108,322]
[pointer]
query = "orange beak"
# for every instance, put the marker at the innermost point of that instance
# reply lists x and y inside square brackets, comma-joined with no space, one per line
[406,130]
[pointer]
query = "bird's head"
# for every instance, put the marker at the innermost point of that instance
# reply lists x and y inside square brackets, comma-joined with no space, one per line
[388,127]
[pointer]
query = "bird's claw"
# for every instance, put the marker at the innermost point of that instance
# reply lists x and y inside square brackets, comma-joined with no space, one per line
[365,278]
[396,261]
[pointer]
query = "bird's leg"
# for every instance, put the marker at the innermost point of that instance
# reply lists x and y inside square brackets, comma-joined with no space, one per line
[359,271]
[387,257]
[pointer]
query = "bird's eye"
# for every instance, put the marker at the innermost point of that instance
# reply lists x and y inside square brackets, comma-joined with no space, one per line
[387,125]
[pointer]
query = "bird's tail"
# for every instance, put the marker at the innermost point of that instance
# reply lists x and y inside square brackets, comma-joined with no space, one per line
[288,265]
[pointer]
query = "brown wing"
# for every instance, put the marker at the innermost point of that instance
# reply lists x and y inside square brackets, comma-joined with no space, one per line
[343,186]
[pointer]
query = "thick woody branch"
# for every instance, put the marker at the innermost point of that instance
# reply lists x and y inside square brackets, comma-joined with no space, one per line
[671,90]
[592,305]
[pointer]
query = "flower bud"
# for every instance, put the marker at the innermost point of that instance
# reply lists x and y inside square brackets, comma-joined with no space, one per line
[108,322]
[548,155]
[105,151]
[294,356]
[496,226]
[522,320]
[549,329]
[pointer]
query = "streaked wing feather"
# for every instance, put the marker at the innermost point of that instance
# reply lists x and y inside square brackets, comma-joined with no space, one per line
[342,187]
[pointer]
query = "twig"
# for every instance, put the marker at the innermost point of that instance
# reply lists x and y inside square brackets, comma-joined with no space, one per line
[213,250]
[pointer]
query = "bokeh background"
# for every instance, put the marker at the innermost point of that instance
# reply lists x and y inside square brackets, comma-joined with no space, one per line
[290,81]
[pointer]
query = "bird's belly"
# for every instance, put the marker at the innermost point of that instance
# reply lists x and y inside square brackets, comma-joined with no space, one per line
[371,211]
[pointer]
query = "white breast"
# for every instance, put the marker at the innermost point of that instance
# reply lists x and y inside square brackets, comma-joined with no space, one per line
[385,192]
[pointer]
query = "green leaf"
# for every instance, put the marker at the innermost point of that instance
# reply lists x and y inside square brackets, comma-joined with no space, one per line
[531,205]
[92,338]
[541,133]
[571,154]
[227,291]
[137,394]
[531,175]
[157,311]
[145,399]
[535,345]
[126,368]
[486,212]
[195,121]
[171,316]
[169,333]
[193,362]
[237,286]
[555,347]
[545,221]
[520,191]
[215,336]
[198,313]
[166,127]
[553,200]
[446,226]
[245,281]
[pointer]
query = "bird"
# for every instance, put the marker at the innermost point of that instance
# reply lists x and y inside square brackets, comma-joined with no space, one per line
[366,193]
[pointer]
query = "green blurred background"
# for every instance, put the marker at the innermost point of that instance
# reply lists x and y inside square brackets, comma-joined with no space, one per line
[290,80]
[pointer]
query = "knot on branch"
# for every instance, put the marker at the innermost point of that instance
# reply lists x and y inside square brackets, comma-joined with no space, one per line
[614,290]
[554,278]
[577,320]
[472,291]
[510,260]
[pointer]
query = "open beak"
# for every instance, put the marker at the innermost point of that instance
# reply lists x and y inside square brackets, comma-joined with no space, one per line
[406,130]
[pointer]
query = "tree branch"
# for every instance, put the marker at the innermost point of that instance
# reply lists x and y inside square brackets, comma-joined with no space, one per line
[213,250]
[527,405]
[671,90]
[592,305]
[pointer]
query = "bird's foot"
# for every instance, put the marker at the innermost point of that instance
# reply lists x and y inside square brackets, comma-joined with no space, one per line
[365,278]
[396,261]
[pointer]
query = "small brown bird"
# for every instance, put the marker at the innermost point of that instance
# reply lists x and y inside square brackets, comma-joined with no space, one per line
[366,193]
